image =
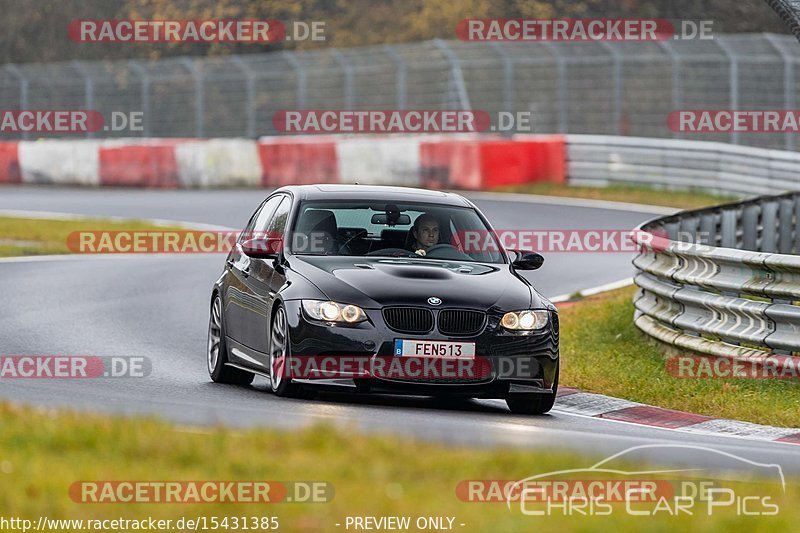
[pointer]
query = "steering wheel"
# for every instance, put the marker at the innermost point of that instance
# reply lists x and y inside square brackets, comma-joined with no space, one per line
[392,252]
[451,252]
[360,233]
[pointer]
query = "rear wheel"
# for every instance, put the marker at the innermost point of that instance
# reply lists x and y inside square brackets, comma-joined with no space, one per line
[533,404]
[217,353]
[279,356]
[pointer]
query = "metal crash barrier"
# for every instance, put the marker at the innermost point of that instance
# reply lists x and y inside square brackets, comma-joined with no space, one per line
[724,280]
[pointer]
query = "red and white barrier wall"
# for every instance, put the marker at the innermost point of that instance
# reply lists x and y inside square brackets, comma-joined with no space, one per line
[460,162]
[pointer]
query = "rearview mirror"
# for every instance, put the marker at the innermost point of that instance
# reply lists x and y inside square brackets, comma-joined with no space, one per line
[526,260]
[382,219]
[266,248]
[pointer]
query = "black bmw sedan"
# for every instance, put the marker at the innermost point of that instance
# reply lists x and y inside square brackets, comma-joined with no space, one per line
[382,289]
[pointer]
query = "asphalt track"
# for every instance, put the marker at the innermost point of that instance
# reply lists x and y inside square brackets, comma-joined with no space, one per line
[157,306]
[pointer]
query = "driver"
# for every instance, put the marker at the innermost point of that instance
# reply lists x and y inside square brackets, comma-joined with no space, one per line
[425,232]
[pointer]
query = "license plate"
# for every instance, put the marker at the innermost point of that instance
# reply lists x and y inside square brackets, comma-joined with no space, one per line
[412,348]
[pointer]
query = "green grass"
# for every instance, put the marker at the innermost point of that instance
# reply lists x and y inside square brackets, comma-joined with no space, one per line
[26,236]
[624,193]
[43,452]
[604,352]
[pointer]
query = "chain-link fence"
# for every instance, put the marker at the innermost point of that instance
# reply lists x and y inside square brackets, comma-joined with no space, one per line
[625,88]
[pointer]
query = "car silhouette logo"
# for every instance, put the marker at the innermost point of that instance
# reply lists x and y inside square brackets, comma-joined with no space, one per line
[433,300]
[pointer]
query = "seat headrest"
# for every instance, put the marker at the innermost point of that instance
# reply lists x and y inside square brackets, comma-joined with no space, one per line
[318,220]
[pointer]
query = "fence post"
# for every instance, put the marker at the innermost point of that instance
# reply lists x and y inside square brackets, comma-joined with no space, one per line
[199,96]
[88,89]
[349,86]
[734,79]
[508,76]
[616,115]
[23,92]
[145,77]
[401,73]
[677,80]
[455,72]
[250,97]
[562,86]
[789,100]
[300,93]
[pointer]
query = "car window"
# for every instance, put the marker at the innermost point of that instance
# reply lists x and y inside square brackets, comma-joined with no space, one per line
[277,224]
[261,217]
[360,228]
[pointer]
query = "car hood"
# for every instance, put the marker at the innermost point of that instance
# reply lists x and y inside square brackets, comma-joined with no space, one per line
[372,282]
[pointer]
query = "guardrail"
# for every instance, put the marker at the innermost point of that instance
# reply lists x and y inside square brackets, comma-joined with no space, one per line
[719,168]
[724,280]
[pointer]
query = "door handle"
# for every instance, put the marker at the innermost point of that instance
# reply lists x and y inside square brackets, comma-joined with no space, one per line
[229,262]
[246,271]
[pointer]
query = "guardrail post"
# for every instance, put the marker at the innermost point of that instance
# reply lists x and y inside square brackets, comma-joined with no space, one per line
[300,92]
[562,86]
[88,89]
[785,226]
[750,226]
[789,99]
[401,72]
[349,85]
[145,96]
[456,73]
[733,62]
[769,221]
[796,243]
[23,91]
[728,228]
[677,80]
[199,96]
[616,116]
[508,76]
[250,97]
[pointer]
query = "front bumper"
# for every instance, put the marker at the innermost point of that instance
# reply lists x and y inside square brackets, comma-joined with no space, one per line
[512,362]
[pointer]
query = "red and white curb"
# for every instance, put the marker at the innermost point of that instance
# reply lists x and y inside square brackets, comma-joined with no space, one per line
[575,402]
[469,162]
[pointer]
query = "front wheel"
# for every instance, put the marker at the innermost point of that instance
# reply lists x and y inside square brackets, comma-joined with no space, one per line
[279,355]
[533,404]
[217,352]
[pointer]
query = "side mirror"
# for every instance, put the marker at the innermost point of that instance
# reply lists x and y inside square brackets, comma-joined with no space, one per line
[266,248]
[527,260]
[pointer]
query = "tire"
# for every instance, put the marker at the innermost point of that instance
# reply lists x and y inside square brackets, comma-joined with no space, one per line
[217,350]
[279,352]
[533,404]
[789,13]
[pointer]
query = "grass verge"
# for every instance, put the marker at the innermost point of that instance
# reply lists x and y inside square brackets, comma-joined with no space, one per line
[604,352]
[31,236]
[42,453]
[624,193]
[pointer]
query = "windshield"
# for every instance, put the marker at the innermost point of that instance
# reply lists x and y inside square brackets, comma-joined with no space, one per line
[380,229]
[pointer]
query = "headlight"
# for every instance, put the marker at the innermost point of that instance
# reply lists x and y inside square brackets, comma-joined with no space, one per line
[528,320]
[333,311]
